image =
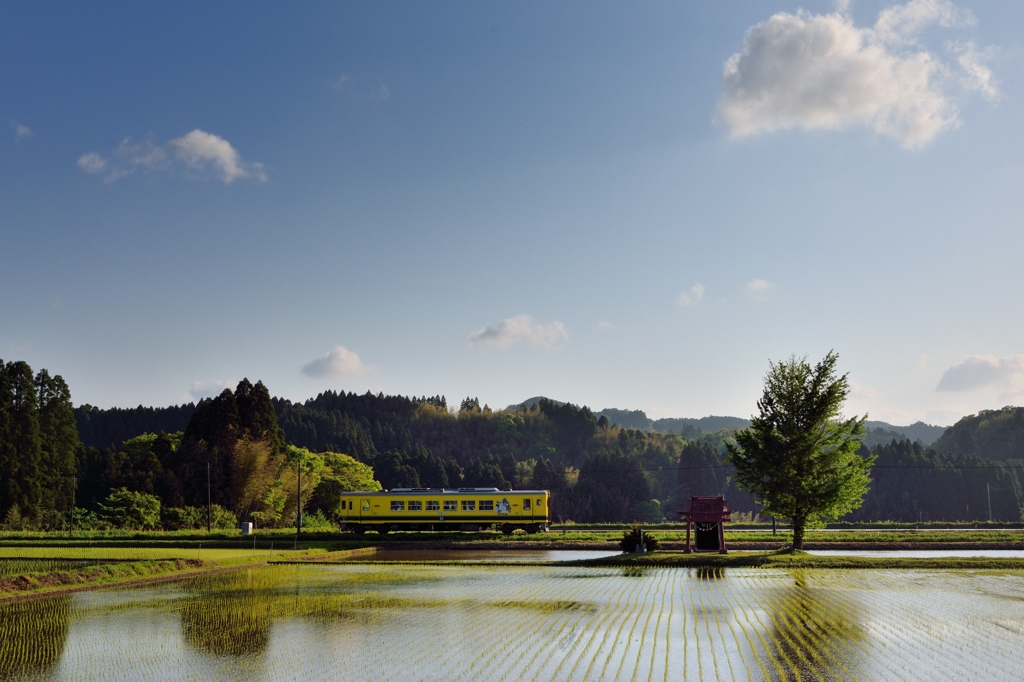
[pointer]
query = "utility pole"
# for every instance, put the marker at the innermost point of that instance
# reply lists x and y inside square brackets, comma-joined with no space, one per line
[298,527]
[209,506]
[74,487]
[988,489]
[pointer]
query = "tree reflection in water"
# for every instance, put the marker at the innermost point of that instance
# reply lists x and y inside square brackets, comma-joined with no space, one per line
[814,633]
[230,615]
[33,634]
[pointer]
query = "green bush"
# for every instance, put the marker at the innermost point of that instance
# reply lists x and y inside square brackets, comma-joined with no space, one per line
[124,508]
[183,518]
[631,538]
[316,521]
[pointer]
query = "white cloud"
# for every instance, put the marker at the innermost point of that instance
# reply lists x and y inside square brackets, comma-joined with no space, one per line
[986,372]
[758,289]
[863,391]
[692,297]
[604,325]
[520,328]
[92,163]
[198,150]
[976,76]
[338,362]
[21,130]
[209,389]
[821,72]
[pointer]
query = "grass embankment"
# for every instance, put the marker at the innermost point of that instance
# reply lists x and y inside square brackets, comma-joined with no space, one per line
[791,560]
[31,569]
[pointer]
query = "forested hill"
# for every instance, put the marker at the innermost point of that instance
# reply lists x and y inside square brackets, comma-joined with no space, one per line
[996,434]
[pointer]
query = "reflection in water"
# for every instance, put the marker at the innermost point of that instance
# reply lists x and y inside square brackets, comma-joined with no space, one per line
[230,616]
[815,631]
[709,572]
[33,634]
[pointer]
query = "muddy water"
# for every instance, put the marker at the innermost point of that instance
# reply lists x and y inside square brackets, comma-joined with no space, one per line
[416,622]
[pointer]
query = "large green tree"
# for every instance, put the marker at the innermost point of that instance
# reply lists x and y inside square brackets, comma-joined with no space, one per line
[799,456]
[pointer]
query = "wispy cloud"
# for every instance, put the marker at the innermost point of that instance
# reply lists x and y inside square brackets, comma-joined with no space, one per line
[758,289]
[209,389]
[338,362]
[21,131]
[524,328]
[863,391]
[821,72]
[604,325]
[977,372]
[691,297]
[203,153]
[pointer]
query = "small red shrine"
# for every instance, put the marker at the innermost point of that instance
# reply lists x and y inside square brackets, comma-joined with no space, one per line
[708,514]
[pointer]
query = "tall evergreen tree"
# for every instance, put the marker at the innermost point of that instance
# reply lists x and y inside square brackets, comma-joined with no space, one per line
[20,465]
[58,434]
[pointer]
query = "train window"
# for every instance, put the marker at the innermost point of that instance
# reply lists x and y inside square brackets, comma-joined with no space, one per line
[415,505]
[397,505]
[433,505]
[468,505]
[451,505]
[526,505]
[366,505]
[486,505]
[540,504]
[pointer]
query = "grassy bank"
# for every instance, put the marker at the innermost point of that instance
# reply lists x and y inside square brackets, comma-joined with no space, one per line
[94,575]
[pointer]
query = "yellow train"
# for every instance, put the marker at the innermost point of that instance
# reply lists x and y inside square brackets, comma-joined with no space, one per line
[445,509]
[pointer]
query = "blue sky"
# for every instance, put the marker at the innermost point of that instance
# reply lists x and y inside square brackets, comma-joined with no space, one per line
[617,205]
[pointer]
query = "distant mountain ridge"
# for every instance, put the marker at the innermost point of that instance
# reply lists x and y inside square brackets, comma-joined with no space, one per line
[878,432]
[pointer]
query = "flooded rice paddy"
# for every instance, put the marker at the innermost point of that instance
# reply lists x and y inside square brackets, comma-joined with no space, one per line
[418,622]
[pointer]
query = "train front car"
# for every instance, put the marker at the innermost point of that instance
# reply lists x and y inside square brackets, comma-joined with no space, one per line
[445,509]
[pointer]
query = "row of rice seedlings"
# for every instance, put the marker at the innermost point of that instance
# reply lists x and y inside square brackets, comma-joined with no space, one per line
[656,605]
[11,568]
[708,605]
[534,636]
[666,597]
[791,611]
[969,622]
[32,635]
[640,618]
[871,649]
[713,590]
[908,624]
[556,635]
[783,665]
[602,627]
[735,600]
[531,595]
[610,599]
[622,638]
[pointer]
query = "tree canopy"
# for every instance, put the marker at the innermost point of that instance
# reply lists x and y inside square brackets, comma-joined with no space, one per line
[799,455]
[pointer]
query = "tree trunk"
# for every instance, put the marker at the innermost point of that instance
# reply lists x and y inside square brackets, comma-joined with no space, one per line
[798,533]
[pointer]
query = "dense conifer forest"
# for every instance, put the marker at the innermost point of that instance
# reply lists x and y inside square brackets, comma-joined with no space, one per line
[248,447]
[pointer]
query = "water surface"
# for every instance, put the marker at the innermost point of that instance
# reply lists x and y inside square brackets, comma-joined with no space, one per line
[449,622]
